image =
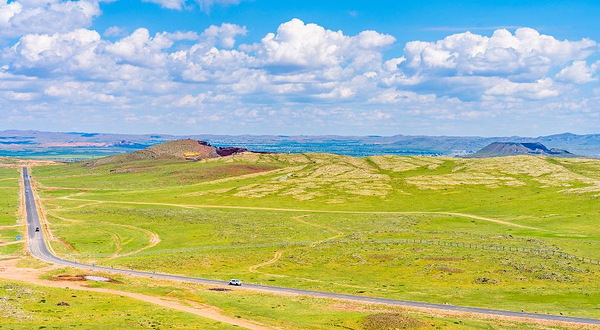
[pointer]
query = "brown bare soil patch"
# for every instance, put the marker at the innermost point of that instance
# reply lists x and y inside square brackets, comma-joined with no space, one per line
[16,162]
[443,258]
[206,173]
[77,278]
[69,277]
[8,270]
[448,269]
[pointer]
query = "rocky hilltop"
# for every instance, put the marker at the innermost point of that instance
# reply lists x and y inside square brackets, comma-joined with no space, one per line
[177,149]
[499,149]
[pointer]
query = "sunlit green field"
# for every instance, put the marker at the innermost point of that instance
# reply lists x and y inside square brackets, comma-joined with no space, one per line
[27,306]
[274,311]
[9,205]
[346,224]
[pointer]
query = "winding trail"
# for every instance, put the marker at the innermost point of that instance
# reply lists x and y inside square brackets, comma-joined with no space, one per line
[10,271]
[11,243]
[279,254]
[257,208]
[338,233]
[9,227]
[118,245]
[39,249]
[253,269]
[153,238]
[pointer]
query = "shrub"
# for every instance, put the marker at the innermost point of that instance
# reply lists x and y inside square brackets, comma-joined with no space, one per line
[485,280]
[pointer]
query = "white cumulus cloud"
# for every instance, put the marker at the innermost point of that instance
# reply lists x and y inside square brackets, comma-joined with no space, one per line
[302,70]
[223,35]
[526,54]
[298,46]
[21,17]
[579,73]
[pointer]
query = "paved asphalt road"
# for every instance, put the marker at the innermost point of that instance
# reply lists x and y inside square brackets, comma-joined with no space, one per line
[38,248]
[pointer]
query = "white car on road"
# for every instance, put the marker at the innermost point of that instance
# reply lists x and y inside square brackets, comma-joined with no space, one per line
[235,282]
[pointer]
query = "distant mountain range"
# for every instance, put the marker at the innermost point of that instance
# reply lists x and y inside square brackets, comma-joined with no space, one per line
[76,145]
[501,149]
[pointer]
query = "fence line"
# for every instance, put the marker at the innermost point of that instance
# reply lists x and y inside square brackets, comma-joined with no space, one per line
[473,246]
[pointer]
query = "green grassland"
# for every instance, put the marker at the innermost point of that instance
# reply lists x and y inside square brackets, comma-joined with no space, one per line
[9,195]
[9,207]
[341,224]
[28,307]
[300,312]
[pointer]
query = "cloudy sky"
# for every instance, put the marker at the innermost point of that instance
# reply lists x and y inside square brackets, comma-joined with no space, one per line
[301,67]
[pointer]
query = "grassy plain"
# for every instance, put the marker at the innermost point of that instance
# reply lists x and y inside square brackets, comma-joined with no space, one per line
[9,210]
[26,306]
[300,312]
[337,223]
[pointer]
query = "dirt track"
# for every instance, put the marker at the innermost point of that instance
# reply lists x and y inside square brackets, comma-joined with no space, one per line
[201,206]
[9,271]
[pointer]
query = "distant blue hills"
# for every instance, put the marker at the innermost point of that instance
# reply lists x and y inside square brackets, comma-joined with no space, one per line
[84,145]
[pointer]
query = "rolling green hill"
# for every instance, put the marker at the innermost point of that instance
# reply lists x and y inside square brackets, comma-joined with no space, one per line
[177,149]
[480,232]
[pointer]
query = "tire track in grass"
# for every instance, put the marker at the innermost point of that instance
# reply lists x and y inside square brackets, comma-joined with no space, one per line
[118,245]
[153,238]
[60,208]
[11,243]
[338,233]
[10,226]
[277,257]
[154,241]
[9,271]
[279,254]
[254,268]
[256,208]
[62,241]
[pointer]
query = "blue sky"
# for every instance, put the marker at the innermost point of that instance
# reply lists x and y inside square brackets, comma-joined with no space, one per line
[406,20]
[301,67]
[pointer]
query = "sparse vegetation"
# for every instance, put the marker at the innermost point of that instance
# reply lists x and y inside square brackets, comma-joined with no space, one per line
[391,321]
[9,210]
[343,224]
[24,306]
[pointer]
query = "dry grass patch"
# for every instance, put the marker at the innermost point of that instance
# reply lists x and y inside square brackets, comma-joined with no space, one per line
[403,164]
[16,162]
[327,175]
[391,321]
[209,192]
[458,179]
[511,172]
